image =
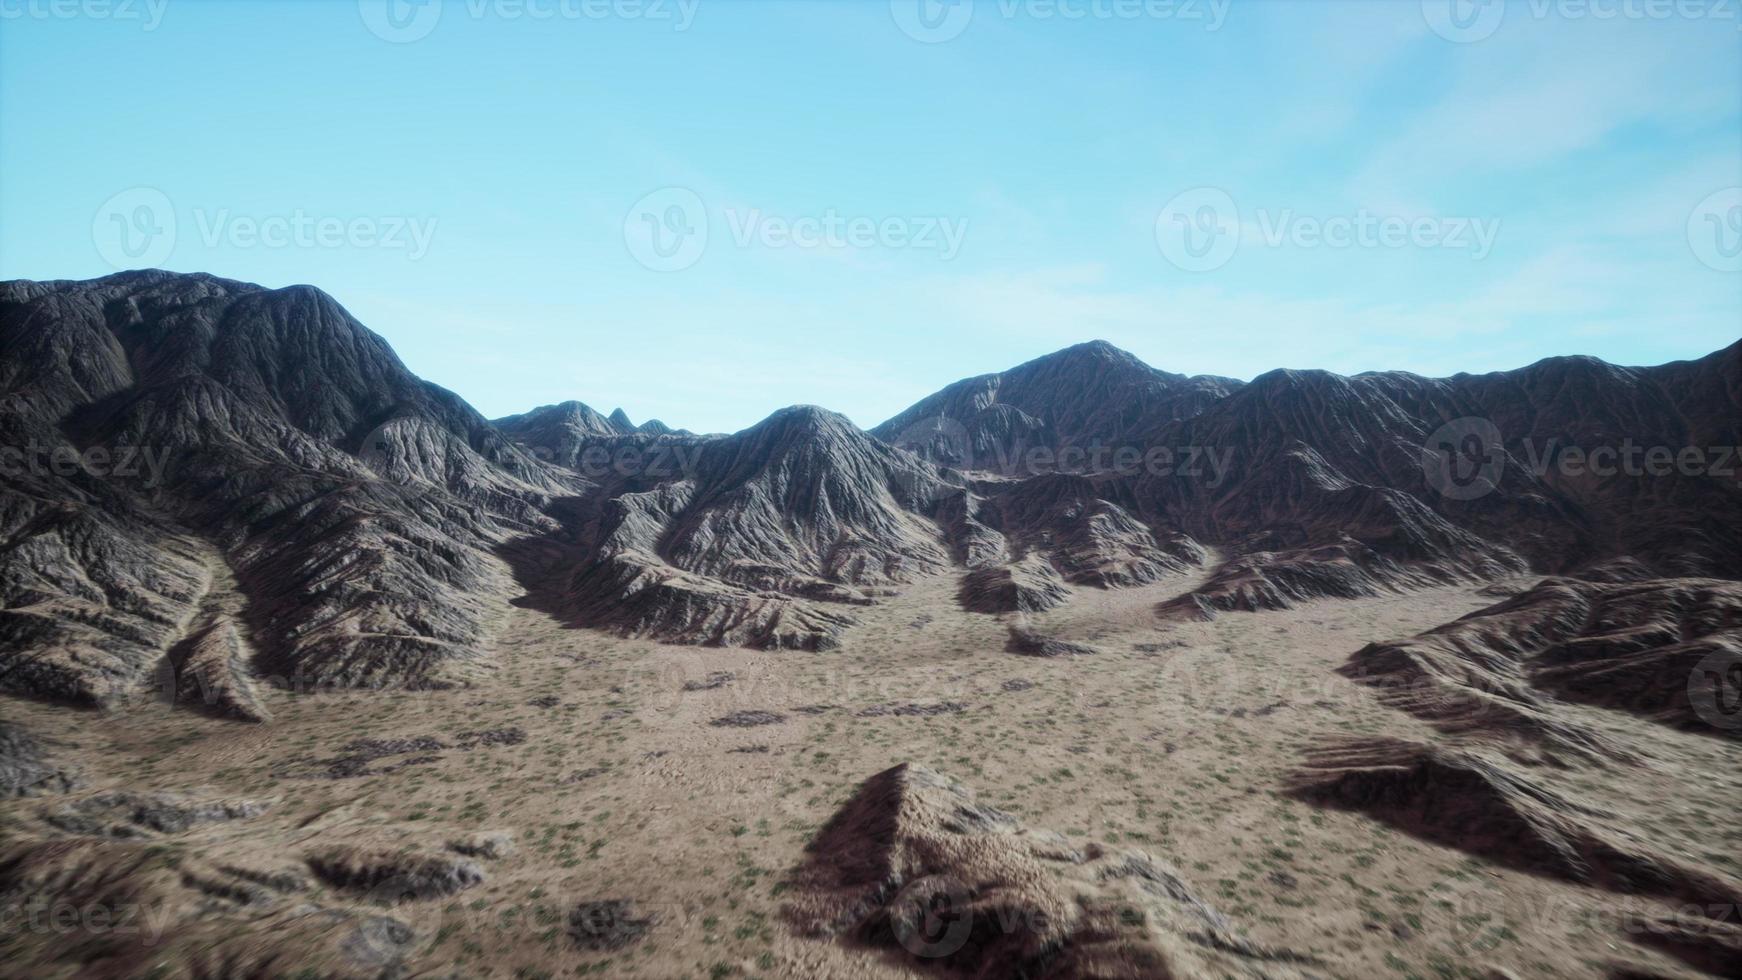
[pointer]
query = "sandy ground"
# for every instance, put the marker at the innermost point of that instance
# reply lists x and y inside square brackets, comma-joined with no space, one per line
[1176,738]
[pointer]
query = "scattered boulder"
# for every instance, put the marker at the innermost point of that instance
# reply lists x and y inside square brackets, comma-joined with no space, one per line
[582,775]
[357,756]
[494,845]
[128,814]
[607,925]
[490,737]
[1026,642]
[748,719]
[911,709]
[283,880]
[393,876]
[713,682]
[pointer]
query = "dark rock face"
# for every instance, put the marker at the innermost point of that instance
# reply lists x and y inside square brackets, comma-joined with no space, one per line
[1087,395]
[229,430]
[1327,480]
[1316,485]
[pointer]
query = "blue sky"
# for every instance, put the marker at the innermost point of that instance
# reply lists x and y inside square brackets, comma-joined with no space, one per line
[483,186]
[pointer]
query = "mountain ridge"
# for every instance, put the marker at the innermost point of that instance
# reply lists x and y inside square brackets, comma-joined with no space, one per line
[374,524]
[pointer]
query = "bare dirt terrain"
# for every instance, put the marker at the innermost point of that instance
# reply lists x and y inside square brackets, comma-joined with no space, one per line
[631,809]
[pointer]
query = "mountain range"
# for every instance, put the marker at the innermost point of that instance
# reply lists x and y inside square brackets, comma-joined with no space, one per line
[211,485]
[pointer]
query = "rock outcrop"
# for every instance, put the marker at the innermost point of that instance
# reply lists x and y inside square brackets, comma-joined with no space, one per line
[1501,673]
[1489,807]
[912,865]
[1029,585]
